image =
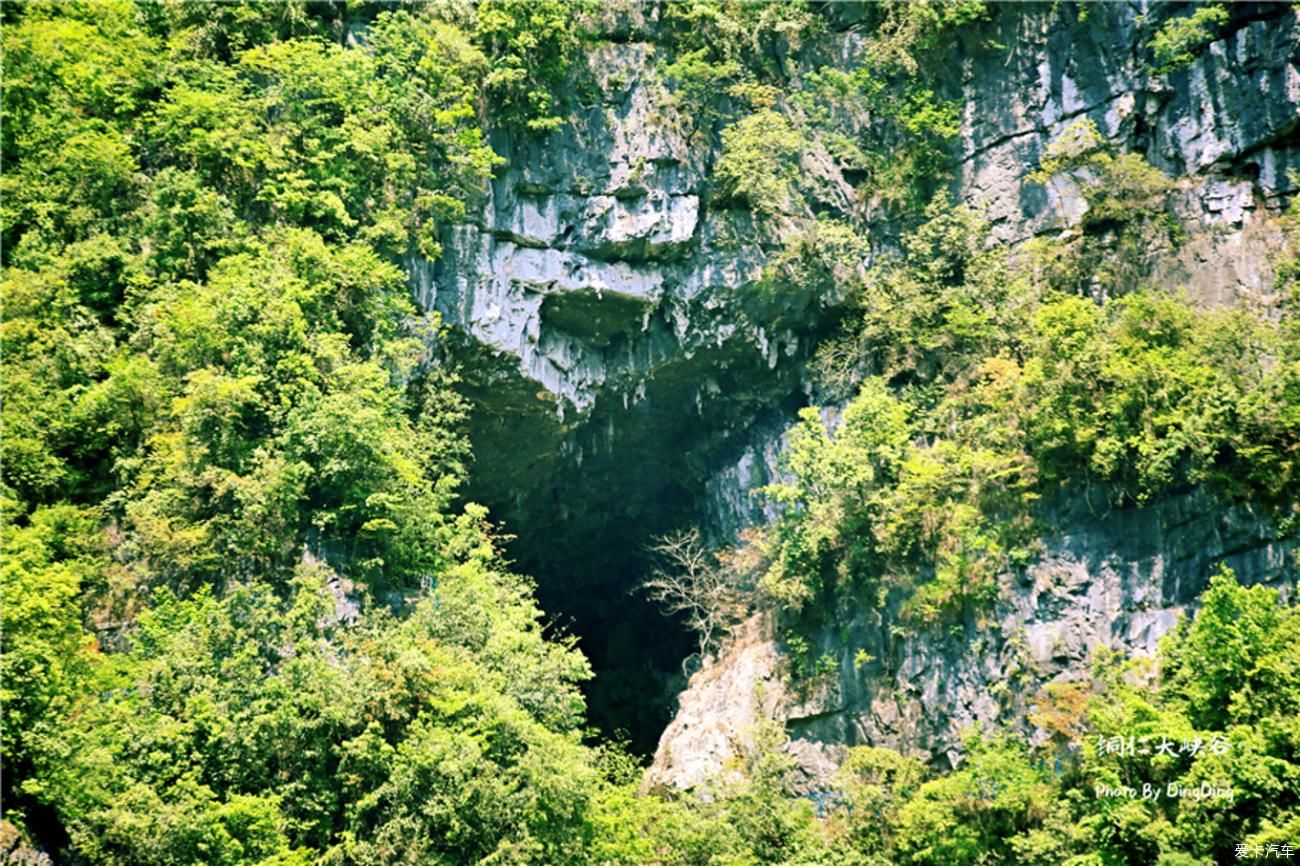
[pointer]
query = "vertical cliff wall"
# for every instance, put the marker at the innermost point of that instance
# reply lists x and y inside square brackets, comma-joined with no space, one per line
[631,376]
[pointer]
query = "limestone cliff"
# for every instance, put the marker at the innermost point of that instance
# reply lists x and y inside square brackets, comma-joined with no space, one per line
[1117,579]
[637,380]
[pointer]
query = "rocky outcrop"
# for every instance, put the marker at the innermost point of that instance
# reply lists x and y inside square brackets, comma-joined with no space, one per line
[1227,126]
[630,376]
[1117,579]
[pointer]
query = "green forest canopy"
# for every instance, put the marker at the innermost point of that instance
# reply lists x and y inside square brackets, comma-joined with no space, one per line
[218,419]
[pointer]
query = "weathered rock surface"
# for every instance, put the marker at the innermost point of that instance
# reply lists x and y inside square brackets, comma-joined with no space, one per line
[629,377]
[1227,126]
[1117,579]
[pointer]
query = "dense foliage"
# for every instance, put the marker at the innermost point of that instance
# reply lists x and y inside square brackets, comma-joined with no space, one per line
[882,119]
[979,381]
[214,383]
[247,619]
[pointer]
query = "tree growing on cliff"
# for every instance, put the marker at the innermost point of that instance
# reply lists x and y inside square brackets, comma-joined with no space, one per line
[693,582]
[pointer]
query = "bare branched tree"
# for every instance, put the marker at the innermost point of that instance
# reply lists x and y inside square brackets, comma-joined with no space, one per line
[691,581]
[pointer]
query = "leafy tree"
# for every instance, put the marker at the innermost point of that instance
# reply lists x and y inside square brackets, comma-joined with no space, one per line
[48,656]
[969,815]
[1234,663]
[759,160]
[242,729]
[532,46]
[877,783]
[1176,42]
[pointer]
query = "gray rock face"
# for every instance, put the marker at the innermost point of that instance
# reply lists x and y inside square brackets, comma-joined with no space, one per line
[1230,117]
[1118,580]
[607,284]
[593,261]
[630,376]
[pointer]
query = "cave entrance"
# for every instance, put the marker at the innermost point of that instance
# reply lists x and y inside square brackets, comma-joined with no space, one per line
[583,505]
[584,500]
[587,584]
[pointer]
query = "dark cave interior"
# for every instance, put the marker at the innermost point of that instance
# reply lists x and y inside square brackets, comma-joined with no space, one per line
[581,530]
[584,500]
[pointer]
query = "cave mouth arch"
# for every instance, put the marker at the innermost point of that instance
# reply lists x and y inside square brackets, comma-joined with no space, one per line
[582,501]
